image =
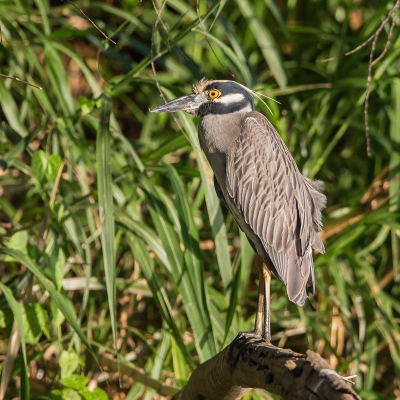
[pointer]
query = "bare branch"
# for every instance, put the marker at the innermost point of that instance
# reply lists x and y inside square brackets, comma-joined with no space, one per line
[153,67]
[372,62]
[208,42]
[125,368]
[279,371]
[20,80]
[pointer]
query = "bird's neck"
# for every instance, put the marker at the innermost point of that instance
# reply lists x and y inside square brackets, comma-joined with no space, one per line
[217,132]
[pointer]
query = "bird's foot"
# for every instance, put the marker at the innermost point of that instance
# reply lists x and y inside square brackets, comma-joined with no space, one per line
[241,342]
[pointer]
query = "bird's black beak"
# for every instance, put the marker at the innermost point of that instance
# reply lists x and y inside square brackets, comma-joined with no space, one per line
[188,103]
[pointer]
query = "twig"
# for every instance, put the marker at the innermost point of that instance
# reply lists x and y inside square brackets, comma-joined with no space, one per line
[81,11]
[159,19]
[125,368]
[208,42]
[20,80]
[372,62]
[153,67]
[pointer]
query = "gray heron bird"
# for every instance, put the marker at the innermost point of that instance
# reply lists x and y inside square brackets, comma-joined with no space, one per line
[277,207]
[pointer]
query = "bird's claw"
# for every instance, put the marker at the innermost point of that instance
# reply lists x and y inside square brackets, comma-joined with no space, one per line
[247,338]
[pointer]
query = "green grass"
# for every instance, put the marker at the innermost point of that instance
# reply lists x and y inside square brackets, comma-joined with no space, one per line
[95,189]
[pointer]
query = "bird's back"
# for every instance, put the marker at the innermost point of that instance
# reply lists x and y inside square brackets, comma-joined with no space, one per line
[277,207]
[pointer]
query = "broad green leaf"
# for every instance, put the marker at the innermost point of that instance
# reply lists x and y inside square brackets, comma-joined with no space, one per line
[45,168]
[39,165]
[74,381]
[52,166]
[35,320]
[69,362]
[10,109]
[65,394]
[96,394]
[87,105]
[18,241]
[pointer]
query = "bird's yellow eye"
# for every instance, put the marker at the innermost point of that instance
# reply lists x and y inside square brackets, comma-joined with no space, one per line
[213,93]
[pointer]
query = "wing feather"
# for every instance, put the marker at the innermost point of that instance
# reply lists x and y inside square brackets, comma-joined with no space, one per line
[280,207]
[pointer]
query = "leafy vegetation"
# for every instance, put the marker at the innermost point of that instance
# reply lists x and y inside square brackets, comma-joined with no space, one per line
[113,243]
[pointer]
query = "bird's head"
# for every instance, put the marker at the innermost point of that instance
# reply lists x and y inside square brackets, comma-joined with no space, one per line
[212,97]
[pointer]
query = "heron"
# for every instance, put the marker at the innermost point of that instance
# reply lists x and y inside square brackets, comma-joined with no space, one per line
[277,207]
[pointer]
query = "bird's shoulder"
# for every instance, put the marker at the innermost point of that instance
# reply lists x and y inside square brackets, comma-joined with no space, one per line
[257,124]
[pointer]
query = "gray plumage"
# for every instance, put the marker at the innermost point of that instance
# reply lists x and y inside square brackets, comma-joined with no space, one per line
[277,208]
[274,204]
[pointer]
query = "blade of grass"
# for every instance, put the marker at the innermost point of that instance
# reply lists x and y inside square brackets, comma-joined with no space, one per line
[195,305]
[141,253]
[147,234]
[10,110]
[106,207]
[265,41]
[17,312]
[63,302]
[181,375]
[394,166]
[190,236]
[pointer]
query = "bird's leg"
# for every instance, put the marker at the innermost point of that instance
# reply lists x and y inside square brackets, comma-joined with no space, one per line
[267,283]
[261,293]
[253,336]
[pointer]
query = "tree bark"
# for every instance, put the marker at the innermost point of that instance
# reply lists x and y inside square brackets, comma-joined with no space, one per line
[279,371]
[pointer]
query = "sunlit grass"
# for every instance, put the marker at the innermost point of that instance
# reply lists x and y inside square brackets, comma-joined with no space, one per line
[134,212]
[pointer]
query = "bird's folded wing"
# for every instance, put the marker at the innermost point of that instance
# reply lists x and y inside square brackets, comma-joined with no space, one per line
[277,202]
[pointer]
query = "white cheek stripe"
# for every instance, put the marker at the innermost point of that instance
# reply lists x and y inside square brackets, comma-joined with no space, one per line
[230,98]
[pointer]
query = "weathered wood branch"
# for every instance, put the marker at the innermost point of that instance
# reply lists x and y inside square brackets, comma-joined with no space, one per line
[279,371]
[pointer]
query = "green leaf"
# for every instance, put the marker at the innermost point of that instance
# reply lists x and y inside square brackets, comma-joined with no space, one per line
[52,166]
[106,207]
[65,394]
[394,164]
[181,375]
[10,110]
[45,168]
[17,311]
[141,253]
[18,241]
[56,262]
[69,362]
[87,105]
[9,157]
[265,40]
[6,320]
[63,303]
[195,304]
[74,381]
[96,394]
[35,319]
[57,317]
[38,164]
